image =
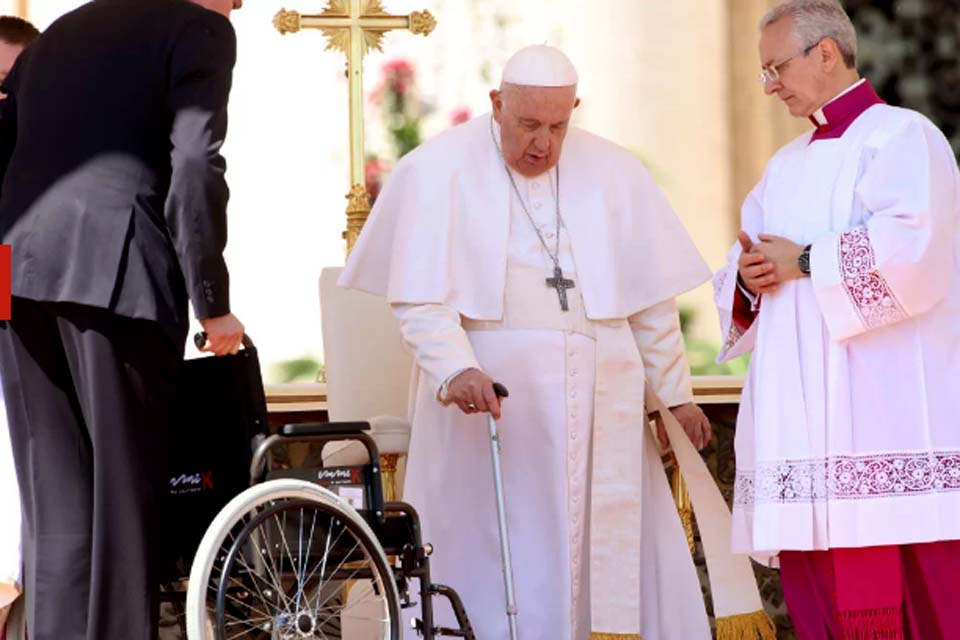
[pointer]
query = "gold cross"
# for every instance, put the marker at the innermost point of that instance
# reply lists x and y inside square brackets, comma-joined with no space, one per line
[355,27]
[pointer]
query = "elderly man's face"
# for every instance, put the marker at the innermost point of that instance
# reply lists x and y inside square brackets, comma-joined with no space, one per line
[802,79]
[8,55]
[533,122]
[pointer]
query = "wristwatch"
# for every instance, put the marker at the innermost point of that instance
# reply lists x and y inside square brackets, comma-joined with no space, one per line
[803,261]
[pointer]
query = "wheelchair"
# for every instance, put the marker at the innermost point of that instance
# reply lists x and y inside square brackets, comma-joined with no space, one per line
[314,553]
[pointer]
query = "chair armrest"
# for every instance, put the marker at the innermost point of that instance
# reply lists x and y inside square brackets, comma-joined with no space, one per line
[324,429]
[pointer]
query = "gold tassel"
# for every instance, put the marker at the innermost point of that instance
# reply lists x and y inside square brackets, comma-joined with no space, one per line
[615,636]
[746,626]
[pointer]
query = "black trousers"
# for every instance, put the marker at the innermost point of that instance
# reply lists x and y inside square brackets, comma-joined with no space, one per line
[88,394]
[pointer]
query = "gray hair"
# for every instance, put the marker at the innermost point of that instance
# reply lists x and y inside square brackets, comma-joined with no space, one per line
[814,20]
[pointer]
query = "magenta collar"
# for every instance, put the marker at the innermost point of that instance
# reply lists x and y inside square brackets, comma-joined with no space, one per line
[841,113]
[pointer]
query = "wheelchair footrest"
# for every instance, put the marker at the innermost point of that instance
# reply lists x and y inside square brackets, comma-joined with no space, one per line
[466,629]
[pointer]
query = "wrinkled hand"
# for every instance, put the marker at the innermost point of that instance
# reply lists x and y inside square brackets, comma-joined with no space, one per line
[783,254]
[757,273]
[472,391]
[694,422]
[224,334]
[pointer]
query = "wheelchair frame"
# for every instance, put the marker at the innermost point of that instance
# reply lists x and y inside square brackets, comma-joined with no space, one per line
[394,528]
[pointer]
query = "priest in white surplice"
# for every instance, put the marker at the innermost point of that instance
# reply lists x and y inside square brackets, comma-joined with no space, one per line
[462,242]
[846,286]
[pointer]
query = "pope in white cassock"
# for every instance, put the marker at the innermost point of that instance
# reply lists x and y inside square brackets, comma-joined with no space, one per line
[846,286]
[520,249]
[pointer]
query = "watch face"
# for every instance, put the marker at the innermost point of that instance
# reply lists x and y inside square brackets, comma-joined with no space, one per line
[803,262]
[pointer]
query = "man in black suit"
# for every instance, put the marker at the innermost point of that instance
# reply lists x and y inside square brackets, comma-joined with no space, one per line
[114,201]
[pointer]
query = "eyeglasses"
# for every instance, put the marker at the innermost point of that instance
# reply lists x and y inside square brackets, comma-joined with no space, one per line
[771,73]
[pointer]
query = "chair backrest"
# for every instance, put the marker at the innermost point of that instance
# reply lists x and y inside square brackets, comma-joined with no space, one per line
[368,369]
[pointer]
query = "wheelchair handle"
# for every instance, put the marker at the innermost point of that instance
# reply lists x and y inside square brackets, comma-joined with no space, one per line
[200,339]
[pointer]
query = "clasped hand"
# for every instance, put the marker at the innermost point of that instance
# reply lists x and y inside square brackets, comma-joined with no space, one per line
[765,265]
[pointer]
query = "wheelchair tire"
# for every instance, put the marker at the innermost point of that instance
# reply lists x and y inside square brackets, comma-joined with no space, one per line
[247,573]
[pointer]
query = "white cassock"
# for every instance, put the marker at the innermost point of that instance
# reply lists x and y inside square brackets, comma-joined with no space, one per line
[449,245]
[849,428]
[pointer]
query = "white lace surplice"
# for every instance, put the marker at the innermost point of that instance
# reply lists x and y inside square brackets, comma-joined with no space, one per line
[849,429]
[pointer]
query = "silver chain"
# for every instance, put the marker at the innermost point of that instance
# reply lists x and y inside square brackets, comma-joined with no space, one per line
[555,256]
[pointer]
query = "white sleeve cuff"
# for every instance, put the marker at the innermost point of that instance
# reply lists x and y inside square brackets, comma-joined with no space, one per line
[445,387]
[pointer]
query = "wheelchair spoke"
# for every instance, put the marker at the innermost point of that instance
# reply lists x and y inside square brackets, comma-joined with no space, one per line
[300,563]
[326,554]
[260,539]
[364,600]
[252,572]
[313,526]
[237,628]
[247,605]
[346,580]
[329,545]
[268,564]
[286,546]
[350,577]
[298,569]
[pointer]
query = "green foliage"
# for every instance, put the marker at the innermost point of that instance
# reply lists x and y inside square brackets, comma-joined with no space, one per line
[405,135]
[400,105]
[702,354]
[302,369]
[401,112]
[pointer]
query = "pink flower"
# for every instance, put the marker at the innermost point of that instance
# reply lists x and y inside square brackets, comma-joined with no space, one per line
[459,116]
[398,66]
[398,75]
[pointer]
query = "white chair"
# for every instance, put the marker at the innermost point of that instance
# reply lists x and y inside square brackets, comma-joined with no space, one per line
[368,379]
[368,376]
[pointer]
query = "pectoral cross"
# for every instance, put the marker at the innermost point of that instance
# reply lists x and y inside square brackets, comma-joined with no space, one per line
[561,284]
[354,27]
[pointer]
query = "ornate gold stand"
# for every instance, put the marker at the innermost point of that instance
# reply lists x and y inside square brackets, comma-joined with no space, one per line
[388,476]
[682,500]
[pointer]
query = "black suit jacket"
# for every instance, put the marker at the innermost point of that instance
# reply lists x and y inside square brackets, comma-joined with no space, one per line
[114,193]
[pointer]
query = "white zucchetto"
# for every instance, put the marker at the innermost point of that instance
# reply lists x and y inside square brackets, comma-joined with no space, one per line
[540,65]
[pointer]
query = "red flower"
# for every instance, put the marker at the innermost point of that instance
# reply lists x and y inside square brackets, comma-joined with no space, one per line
[373,171]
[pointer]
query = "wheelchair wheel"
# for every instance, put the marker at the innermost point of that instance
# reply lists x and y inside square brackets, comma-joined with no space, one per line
[289,560]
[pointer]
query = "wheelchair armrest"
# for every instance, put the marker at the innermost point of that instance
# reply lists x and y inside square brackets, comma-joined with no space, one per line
[324,429]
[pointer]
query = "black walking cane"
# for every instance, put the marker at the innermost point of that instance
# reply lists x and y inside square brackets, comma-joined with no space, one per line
[505,560]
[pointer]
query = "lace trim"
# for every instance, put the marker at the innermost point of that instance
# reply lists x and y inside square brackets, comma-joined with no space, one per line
[733,336]
[719,279]
[848,478]
[868,291]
